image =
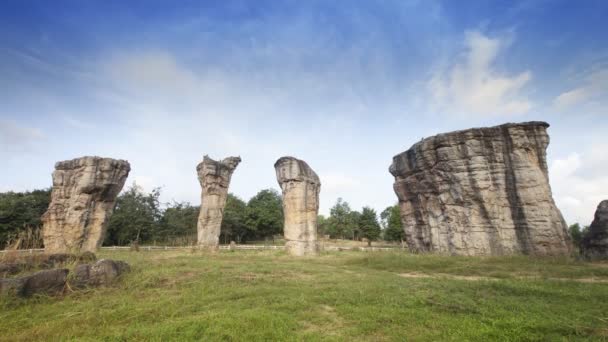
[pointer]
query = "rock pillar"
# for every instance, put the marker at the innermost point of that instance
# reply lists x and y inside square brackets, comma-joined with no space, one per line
[301,187]
[480,191]
[82,200]
[214,177]
[595,242]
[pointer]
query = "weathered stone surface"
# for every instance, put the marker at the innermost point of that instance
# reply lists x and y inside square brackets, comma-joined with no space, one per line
[102,272]
[82,200]
[214,177]
[47,281]
[595,241]
[11,286]
[301,187]
[11,268]
[481,191]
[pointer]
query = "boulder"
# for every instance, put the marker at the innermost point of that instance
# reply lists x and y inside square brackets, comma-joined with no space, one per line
[300,186]
[103,272]
[82,199]
[11,286]
[594,244]
[480,191]
[214,178]
[46,282]
[11,268]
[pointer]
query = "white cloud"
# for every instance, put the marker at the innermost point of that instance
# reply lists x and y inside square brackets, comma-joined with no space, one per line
[17,138]
[473,87]
[145,182]
[577,186]
[338,181]
[595,85]
[561,169]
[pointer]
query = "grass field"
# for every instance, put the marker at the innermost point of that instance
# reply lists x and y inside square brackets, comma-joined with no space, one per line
[267,295]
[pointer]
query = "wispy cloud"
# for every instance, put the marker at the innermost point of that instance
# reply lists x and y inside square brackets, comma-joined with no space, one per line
[18,138]
[594,86]
[473,87]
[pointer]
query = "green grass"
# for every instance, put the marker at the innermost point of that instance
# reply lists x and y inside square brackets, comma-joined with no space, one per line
[267,295]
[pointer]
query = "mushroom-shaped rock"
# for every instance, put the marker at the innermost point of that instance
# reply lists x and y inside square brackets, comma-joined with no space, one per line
[480,191]
[82,200]
[595,241]
[214,177]
[301,187]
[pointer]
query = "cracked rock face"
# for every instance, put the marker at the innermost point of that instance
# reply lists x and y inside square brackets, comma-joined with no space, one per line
[481,191]
[214,177]
[301,187]
[82,200]
[595,242]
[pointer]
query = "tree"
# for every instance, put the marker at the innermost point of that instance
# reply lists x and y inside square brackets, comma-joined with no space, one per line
[178,222]
[368,225]
[136,217]
[264,214]
[233,222]
[391,222]
[20,211]
[341,222]
[321,225]
[354,230]
[577,234]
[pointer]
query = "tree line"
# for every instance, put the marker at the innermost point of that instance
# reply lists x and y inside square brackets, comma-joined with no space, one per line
[140,217]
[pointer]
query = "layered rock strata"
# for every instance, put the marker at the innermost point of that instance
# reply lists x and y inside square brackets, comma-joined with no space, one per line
[82,200]
[214,177]
[595,241]
[480,191]
[301,187]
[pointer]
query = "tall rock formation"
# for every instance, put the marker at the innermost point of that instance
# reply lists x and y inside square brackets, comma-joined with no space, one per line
[480,191]
[301,187]
[595,241]
[214,177]
[82,200]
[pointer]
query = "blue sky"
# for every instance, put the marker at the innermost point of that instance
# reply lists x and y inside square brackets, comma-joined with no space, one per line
[344,85]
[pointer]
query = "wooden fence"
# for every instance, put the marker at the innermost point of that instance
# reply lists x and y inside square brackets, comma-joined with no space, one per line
[222,247]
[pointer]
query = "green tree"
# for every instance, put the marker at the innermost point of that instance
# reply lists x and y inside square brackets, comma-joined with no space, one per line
[354,231]
[321,225]
[391,222]
[264,214]
[342,221]
[368,225]
[577,234]
[233,222]
[20,211]
[136,217]
[178,222]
